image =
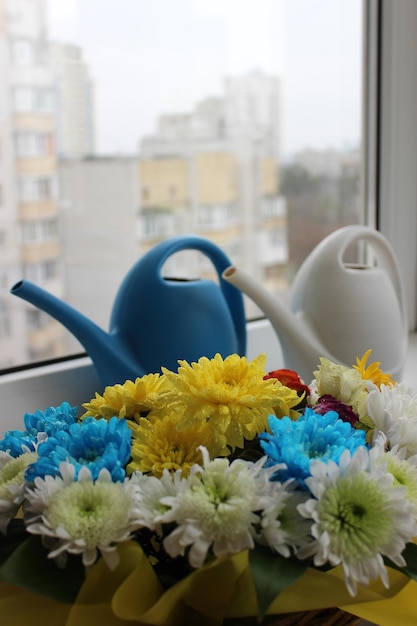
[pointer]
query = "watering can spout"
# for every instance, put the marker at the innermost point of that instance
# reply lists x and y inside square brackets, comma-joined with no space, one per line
[338,310]
[301,349]
[113,364]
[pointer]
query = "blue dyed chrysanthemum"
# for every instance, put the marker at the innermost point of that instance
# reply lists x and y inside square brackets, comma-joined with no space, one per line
[16,442]
[312,436]
[50,421]
[94,443]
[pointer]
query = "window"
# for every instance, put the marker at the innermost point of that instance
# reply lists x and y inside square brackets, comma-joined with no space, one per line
[257,147]
[155,224]
[214,117]
[35,188]
[5,326]
[41,272]
[33,144]
[390,185]
[24,52]
[39,231]
[33,99]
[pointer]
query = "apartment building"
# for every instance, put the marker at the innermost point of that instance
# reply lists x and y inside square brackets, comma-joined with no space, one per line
[99,214]
[29,219]
[199,173]
[75,124]
[215,171]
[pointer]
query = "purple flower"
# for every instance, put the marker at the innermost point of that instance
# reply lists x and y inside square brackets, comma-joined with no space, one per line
[329,403]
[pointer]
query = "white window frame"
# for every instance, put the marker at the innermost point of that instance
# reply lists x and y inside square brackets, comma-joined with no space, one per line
[397,184]
[395,131]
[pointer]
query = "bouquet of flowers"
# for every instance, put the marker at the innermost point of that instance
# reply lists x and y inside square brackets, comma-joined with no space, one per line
[213,494]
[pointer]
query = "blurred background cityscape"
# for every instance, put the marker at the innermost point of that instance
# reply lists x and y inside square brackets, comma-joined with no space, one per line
[74,219]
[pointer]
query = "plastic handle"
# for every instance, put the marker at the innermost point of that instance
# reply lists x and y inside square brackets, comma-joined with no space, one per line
[383,252]
[158,255]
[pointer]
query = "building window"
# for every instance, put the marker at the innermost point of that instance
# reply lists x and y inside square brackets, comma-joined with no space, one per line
[36,188]
[34,99]
[157,224]
[33,144]
[41,272]
[5,326]
[27,52]
[216,217]
[146,193]
[23,52]
[36,319]
[40,231]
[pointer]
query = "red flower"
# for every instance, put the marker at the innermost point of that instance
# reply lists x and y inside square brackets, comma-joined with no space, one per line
[290,379]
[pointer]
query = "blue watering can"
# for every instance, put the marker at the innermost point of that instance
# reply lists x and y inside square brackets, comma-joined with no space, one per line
[156,321]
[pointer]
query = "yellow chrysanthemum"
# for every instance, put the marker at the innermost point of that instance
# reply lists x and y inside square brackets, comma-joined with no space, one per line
[372,372]
[130,400]
[158,444]
[230,394]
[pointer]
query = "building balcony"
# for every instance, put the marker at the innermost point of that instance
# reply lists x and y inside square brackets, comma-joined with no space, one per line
[37,209]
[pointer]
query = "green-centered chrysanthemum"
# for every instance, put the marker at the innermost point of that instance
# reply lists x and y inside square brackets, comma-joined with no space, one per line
[404,474]
[230,394]
[158,444]
[404,471]
[84,516]
[359,517]
[12,484]
[129,401]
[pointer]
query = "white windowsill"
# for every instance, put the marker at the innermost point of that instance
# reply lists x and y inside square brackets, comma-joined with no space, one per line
[76,381]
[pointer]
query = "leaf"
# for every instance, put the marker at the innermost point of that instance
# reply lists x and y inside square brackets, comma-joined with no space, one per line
[272,574]
[29,567]
[410,555]
[16,535]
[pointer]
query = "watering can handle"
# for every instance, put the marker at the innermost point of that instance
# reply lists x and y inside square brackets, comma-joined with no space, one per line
[383,252]
[158,255]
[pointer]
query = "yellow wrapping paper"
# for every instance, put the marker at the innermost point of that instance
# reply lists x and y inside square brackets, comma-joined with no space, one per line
[131,595]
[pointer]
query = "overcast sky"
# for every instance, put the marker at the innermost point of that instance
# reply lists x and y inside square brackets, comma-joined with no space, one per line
[150,57]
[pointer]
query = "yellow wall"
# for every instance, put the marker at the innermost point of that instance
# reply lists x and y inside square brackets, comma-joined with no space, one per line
[269,176]
[163,183]
[33,121]
[36,165]
[37,210]
[217,178]
[38,252]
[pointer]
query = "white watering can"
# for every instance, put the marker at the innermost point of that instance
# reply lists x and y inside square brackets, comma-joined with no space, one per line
[336,309]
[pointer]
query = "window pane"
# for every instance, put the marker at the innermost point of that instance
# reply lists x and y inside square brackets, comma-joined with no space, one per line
[131,121]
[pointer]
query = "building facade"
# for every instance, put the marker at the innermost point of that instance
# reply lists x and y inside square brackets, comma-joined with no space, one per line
[29,217]
[75,126]
[215,172]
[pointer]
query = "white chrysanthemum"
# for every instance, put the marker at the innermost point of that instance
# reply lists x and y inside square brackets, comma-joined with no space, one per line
[151,491]
[283,529]
[359,517]
[12,484]
[218,509]
[393,410]
[84,516]
[404,470]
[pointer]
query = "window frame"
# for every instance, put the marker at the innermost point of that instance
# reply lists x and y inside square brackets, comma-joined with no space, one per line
[390,151]
[397,140]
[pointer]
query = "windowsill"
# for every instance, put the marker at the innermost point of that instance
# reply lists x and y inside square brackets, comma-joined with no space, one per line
[76,381]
